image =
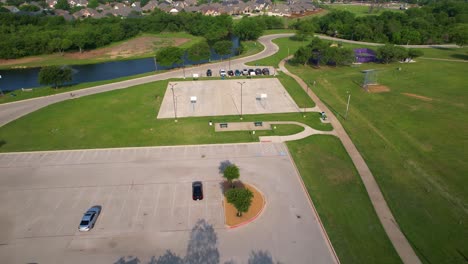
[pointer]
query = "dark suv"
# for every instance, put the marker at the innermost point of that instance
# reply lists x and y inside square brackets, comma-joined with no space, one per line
[197,190]
[209,73]
[265,71]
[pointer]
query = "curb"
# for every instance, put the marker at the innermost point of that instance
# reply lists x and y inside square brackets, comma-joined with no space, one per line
[253,218]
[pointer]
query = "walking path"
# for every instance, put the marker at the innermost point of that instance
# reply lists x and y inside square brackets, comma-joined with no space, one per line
[308,131]
[398,239]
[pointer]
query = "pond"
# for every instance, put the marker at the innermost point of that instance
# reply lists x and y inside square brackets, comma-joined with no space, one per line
[16,79]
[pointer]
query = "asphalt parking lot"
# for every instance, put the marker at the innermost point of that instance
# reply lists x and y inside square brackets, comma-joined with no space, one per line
[223,97]
[147,207]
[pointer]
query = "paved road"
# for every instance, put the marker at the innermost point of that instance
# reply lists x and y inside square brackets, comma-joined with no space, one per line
[147,207]
[398,239]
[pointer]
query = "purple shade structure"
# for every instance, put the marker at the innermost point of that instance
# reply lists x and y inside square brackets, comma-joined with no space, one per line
[364,55]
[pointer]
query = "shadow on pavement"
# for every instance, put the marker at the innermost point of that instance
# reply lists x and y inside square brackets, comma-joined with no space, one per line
[202,249]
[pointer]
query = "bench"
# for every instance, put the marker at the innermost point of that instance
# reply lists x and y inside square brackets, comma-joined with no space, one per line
[258,123]
[223,125]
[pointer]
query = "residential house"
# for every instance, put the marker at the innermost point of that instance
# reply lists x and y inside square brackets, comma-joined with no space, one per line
[74,3]
[87,12]
[63,13]
[121,9]
[150,6]
[136,6]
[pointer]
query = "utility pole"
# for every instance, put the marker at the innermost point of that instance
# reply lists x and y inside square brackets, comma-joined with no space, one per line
[347,105]
[241,84]
[155,63]
[174,100]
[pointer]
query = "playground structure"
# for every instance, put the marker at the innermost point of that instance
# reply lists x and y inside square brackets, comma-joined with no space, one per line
[370,78]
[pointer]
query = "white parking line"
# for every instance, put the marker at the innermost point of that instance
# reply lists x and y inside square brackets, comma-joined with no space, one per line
[157,200]
[173,199]
[125,201]
[135,218]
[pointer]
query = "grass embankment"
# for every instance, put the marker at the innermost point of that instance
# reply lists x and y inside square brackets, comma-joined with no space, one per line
[413,138]
[116,51]
[341,201]
[127,117]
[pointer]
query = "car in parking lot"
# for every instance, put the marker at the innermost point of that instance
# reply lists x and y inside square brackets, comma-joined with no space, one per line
[89,218]
[238,73]
[245,72]
[265,71]
[230,73]
[209,73]
[222,72]
[251,72]
[258,71]
[197,190]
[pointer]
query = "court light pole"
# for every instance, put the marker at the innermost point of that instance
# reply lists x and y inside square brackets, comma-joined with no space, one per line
[241,84]
[174,100]
[347,105]
[1,91]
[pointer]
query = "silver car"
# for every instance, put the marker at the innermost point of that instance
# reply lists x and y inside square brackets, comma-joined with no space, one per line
[89,218]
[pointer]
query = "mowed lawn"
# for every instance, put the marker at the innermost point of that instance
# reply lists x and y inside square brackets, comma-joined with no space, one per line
[414,139]
[125,118]
[341,201]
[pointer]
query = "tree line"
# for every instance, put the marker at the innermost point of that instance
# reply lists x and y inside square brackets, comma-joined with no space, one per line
[435,23]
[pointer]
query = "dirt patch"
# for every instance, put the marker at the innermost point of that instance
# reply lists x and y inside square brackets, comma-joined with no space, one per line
[420,97]
[18,61]
[230,212]
[377,89]
[133,47]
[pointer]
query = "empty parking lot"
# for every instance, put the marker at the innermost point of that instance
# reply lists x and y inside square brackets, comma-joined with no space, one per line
[147,208]
[223,97]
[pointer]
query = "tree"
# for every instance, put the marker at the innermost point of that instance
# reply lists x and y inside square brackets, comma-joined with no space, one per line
[55,75]
[414,53]
[241,199]
[302,55]
[169,56]
[248,29]
[199,51]
[459,34]
[223,47]
[304,30]
[94,4]
[231,173]
[390,53]
[62,4]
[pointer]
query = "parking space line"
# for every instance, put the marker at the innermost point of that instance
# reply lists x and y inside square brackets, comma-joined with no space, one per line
[125,201]
[139,205]
[79,198]
[157,200]
[173,199]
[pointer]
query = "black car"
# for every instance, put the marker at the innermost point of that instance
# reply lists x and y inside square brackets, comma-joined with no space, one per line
[250,72]
[231,73]
[258,71]
[265,71]
[197,190]
[209,73]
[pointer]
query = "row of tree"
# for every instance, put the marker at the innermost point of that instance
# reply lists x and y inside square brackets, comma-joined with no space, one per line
[241,198]
[319,52]
[439,22]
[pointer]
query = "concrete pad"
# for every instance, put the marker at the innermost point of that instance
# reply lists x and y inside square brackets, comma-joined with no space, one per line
[223,97]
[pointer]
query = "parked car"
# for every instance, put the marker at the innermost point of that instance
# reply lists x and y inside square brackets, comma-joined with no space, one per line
[245,72]
[197,190]
[89,218]
[238,73]
[230,73]
[251,72]
[265,71]
[209,73]
[258,71]
[222,72]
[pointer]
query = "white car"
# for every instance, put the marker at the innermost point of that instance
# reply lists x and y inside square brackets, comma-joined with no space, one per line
[222,73]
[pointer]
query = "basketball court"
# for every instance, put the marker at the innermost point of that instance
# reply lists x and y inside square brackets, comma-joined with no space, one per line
[223,97]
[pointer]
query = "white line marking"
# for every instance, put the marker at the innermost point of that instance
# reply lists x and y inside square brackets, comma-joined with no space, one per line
[157,200]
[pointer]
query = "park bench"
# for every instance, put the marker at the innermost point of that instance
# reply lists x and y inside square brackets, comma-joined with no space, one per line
[223,125]
[258,123]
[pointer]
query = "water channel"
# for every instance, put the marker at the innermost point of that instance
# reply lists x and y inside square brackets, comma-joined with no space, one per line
[15,79]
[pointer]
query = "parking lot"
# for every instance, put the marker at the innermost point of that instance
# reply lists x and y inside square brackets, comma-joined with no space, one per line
[145,194]
[223,97]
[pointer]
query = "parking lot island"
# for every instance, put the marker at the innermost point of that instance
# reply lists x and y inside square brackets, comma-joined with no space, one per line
[255,209]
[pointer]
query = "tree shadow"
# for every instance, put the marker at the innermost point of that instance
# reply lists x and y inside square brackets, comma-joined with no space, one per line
[2,142]
[128,260]
[223,165]
[460,56]
[260,257]
[168,258]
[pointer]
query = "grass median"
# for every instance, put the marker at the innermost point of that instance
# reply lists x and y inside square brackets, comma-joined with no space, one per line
[341,201]
[125,118]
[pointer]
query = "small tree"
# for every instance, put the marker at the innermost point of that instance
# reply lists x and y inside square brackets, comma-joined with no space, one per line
[55,75]
[241,199]
[199,51]
[414,53]
[170,55]
[231,173]
[223,47]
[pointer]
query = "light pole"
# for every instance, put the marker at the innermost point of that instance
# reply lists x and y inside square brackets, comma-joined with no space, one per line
[155,63]
[174,100]
[241,84]
[347,105]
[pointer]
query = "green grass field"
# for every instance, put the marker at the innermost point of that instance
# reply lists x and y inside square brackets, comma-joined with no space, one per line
[415,145]
[124,118]
[341,200]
